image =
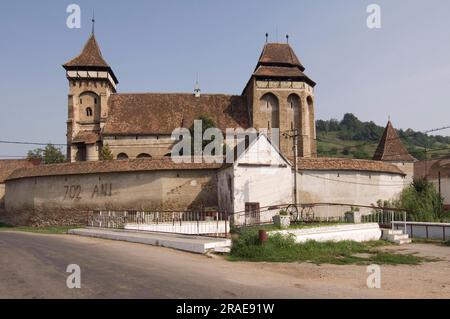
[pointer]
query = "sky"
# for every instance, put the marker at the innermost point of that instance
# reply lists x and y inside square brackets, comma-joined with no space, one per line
[401,71]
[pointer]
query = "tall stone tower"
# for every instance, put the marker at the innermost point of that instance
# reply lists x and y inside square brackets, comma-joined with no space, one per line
[281,96]
[91,82]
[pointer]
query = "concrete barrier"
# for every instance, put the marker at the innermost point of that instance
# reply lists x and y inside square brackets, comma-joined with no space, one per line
[354,232]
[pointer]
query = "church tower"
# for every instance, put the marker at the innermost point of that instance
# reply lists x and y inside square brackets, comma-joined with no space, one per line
[391,149]
[91,82]
[281,96]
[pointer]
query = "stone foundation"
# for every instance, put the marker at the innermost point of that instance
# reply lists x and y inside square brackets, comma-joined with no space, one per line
[41,218]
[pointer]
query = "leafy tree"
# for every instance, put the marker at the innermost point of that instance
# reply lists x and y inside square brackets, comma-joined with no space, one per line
[49,155]
[106,154]
[422,201]
[206,124]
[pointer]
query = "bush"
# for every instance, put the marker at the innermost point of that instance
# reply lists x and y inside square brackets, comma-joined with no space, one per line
[422,201]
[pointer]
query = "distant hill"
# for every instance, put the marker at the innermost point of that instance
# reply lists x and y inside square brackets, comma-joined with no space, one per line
[355,139]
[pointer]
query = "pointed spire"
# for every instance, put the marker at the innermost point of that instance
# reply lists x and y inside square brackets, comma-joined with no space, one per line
[197,91]
[391,147]
[93,22]
[90,58]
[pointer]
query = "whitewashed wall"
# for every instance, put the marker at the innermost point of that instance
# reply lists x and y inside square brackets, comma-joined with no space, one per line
[260,175]
[348,187]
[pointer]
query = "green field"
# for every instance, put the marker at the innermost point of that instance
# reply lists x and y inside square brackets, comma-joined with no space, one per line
[330,145]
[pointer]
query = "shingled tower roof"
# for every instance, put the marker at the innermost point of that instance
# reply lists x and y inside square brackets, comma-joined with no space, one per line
[278,61]
[391,147]
[91,58]
[279,54]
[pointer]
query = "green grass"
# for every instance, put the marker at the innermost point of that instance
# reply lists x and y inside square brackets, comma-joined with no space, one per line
[284,249]
[329,144]
[38,230]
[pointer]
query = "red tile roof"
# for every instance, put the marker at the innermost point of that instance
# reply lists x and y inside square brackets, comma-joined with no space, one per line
[159,113]
[90,58]
[115,166]
[391,147]
[86,137]
[282,72]
[7,167]
[344,164]
[279,54]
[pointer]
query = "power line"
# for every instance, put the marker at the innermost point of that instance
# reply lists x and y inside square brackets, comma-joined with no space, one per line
[30,143]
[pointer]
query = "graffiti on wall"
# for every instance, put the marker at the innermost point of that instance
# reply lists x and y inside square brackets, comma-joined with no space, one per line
[77,192]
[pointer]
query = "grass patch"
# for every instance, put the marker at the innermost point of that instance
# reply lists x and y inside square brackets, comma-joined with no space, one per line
[281,248]
[38,230]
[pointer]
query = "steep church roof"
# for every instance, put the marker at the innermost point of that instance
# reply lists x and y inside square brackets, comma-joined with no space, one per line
[162,113]
[391,147]
[279,61]
[90,58]
[279,54]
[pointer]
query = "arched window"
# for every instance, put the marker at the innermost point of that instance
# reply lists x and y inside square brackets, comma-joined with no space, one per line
[89,112]
[122,156]
[295,105]
[143,156]
[269,103]
[311,126]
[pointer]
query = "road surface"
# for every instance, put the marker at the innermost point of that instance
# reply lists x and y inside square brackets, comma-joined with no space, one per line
[34,266]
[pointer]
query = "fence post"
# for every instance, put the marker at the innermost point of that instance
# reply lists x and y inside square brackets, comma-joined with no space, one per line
[404,221]
[393,217]
[217,227]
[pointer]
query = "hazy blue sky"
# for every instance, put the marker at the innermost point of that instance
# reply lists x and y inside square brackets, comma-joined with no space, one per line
[402,70]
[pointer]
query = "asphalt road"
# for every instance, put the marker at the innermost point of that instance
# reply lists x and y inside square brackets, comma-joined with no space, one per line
[34,266]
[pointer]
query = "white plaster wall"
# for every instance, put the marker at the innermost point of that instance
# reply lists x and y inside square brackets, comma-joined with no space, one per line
[363,188]
[358,233]
[268,186]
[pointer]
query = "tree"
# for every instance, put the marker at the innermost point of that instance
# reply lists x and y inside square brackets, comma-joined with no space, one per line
[422,201]
[106,154]
[206,124]
[49,155]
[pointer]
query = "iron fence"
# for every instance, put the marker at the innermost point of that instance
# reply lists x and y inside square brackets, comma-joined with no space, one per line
[178,222]
[320,212]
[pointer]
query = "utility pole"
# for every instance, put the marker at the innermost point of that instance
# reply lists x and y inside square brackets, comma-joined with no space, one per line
[439,183]
[295,136]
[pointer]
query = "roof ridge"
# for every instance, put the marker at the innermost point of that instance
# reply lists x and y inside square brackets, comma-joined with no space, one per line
[174,93]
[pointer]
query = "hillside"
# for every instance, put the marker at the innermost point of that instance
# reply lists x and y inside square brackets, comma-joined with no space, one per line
[352,138]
